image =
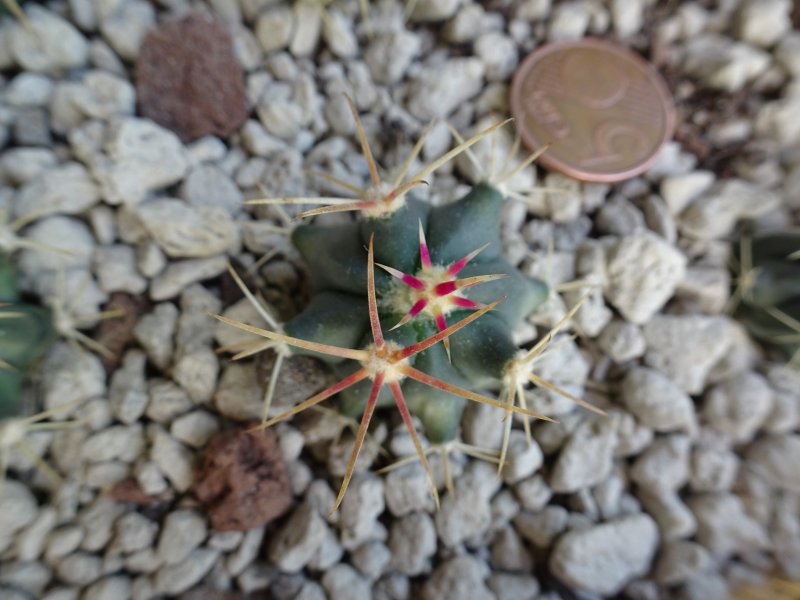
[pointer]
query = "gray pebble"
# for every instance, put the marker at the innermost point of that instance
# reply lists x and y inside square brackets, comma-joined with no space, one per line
[603,558]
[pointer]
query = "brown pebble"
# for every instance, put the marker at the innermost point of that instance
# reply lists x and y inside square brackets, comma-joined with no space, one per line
[128,490]
[188,79]
[117,332]
[242,480]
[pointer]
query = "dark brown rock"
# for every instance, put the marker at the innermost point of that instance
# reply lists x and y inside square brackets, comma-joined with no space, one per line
[116,333]
[128,490]
[242,479]
[188,79]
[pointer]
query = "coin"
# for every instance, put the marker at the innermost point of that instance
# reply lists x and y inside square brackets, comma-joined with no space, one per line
[603,110]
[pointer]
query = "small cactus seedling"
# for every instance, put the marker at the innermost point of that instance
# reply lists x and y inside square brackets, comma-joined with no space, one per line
[441,268]
[386,363]
[767,293]
[26,331]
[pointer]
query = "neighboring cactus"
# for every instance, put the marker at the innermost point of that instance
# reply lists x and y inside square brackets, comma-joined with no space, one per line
[767,293]
[442,268]
[26,331]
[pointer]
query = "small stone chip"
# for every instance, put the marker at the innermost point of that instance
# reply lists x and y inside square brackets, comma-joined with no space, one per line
[242,479]
[200,90]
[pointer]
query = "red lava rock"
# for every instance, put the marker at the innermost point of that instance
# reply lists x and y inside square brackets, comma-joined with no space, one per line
[188,79]
[242,479]
[128,490]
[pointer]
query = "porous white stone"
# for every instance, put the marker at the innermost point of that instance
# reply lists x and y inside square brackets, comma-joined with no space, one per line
[103,95]
[182,532]
[21,165]
[657,401]
[80,568]
[30,540]
[622,341]
[195,428]
[141,157]
[118,442]
[19,507]
[173,458]
[664,466]
[680,560]
[51,44]
[179,275]
[468,514]
[434,10]
[71,376]
[337,31]
[407,490]
[440,89]
[738,406]
[498,52]
[763,22]
[568,20]
[587,457]
[514,586]
[125,26]
[460,577]
[388,56]
[777,460]
[97,521]
[209,186]
[713,470]
[679,190]
[724,527]
[133,532]
[115,586]
[412,541]
[775,120]
[174,579]
[246,553]
[361,507]
[115,267]
[523,458]
[604,558]
[308,24]
[686,347]
[67,189]
[722,63]
[183,231]
[508,552]
[274,28]
[295,544]
[714,214]
[28,89]
[155,331]
[127,392]
[627,17]
[642,271]
[372,559]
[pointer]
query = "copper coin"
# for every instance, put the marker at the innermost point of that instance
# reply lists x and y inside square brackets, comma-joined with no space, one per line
[604,111]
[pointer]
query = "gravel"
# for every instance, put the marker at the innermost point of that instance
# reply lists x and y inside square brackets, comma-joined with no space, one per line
[686,487]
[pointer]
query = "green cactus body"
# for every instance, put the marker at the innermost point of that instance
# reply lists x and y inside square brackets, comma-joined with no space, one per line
[26,332]
[769,289]
[479,354]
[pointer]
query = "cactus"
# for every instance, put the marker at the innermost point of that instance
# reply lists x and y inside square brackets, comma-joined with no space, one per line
[26,332]
[766,298]
[442,278]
